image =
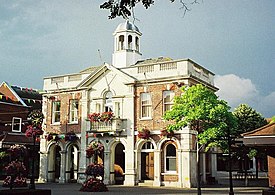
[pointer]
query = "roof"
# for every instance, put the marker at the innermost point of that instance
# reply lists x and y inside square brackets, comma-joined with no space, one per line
[154,60]
[127,26]
[13,138]
[265,130]
[20,96]
[30,97]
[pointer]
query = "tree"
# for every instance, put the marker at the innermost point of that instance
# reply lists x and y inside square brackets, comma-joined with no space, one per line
[248,119]
[124,8]
[200,109]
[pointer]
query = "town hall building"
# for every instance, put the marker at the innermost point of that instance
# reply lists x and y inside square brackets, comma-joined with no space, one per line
[135,92]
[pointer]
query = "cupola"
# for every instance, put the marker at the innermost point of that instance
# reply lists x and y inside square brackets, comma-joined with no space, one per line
[126,45]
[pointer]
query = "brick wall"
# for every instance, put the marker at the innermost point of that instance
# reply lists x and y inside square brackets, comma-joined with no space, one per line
[64,126]
[156,123]
[271,170]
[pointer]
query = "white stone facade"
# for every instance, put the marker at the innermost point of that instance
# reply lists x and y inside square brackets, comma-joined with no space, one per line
[119,88]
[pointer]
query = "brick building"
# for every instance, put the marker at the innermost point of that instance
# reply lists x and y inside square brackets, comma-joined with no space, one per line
[137,92]
[15,105]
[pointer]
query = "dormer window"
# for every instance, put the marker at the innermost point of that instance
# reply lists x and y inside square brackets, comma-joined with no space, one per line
[121,42]
[16,124]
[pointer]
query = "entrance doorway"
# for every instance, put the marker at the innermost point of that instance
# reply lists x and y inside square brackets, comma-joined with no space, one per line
[57,162]
[147,161]
[119,165]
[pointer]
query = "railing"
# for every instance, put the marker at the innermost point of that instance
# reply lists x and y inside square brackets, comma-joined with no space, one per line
[114,125]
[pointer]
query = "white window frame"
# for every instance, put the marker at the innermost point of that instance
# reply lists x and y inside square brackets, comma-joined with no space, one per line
[170,157]
[73,112]
[108,102]
[171,102]
[16,123]
[54,111]
[145,97]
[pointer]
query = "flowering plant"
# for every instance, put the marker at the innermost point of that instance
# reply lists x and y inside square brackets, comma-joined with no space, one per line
[94,117]
[17,151]
[144,133]
[33,131]
[165,132]
[93,185]
[52,136]
[18,181]
[94,147]
[15,167]
[103,117]
[95,170]
[106,116]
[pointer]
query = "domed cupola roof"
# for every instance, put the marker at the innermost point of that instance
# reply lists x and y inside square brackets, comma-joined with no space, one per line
[127,26]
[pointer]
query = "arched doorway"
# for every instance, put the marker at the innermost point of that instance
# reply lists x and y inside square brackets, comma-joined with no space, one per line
[147,161]
[72,163]
[54,162]
[119,166]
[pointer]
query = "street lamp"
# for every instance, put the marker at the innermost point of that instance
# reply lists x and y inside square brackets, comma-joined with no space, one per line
[231,192]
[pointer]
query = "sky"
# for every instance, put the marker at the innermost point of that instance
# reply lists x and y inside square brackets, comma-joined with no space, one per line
[234,39]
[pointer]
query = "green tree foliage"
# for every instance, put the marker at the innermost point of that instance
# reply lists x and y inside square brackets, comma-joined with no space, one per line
[124,8]
[248,118]
[200,109]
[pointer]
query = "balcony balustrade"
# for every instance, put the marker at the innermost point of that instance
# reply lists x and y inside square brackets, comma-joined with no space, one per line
[113,125]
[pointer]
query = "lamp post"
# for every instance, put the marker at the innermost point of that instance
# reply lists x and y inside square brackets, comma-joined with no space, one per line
[231,192]
[32,183]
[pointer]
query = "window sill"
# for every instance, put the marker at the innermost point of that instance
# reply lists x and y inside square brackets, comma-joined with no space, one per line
[170,173]
[73,123]
[145,119]
[55,124]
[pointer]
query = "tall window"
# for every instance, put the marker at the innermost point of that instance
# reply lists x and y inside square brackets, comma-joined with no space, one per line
[168,97]
[16,124]
[137,43]
[56,112]
[73,118]
[108,102]
[146,105]
[121,42]
[130,42]
[117,109]
[98,107]
[170,158]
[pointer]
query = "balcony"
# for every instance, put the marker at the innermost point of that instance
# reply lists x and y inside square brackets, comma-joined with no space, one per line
[114,125]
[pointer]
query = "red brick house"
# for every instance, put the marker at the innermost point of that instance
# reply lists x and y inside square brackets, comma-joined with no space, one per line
[264,137]
[15,105]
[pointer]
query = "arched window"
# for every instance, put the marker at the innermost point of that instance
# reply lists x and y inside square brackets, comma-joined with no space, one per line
[170,158]
[130,42]
[137,43]
[121,42]
[108,101]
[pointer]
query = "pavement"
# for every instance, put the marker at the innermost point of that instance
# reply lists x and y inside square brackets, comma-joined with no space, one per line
[255,187]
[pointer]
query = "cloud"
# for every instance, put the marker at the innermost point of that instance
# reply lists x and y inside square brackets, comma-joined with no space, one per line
[236,90]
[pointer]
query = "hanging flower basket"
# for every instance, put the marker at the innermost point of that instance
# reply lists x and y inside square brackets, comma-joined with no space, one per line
[17,151]
[144,133]
[15,168]
[33,131]
[52,136]
[166,133]
[92,148]
[70,136]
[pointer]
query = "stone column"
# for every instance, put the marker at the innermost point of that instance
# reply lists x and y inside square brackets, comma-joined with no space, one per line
[62,177]
[157,168]
[129,168]
[43,172]
[106,167]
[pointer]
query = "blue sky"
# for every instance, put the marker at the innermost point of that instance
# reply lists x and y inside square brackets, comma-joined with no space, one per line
[234,39]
